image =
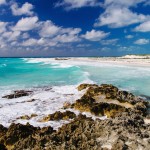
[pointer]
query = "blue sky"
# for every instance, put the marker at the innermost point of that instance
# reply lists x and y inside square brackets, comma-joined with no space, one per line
[74,27]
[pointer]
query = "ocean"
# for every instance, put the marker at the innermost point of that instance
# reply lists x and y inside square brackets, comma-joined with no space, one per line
[54,82]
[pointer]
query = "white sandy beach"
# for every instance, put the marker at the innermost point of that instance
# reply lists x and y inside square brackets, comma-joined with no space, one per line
[126,60]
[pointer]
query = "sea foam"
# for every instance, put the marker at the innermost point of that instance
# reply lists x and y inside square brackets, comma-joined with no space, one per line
[45,102]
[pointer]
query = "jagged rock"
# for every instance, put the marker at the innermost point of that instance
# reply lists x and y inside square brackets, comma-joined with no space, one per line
[98,109]
[108,100]
[18,94]
[26,117]
[18,132]
[66,105]
[123,132]
[84,86]
[59,116]
[3,130]
[124,129]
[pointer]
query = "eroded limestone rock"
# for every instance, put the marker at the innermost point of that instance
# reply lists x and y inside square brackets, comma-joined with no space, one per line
[59,116]
[125,129]
[18,94]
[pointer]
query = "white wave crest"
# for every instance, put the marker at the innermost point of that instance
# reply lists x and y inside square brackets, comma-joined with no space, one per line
[44,103]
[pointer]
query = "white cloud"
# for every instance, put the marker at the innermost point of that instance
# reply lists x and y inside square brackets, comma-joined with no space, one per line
[127,3]
[68,35]
[11,35]
[25,35]
[35,42]
[2,2]
[71,31]
[66,38]
[30,42]
[95,35]
[58,34]
[83,45]
[72,4]
[26,24]
[2,27]
[129,36]
[142,41]
[119,13]
[144,27]
[48,29]
[116,17]
[26,9]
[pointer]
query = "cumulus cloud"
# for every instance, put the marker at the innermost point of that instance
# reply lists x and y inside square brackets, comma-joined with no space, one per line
[71,31]
[94,35]
[2,2]
[118,13]
[129,36]
[126,3]
[142,42]
[72,4]
[58,34]
[2,26]
[49,29]
[66,38]
[38,42]
[119,17]
[26,24]
[25,35]
[144,27]
[11,35]
[30,42]
[67,35]
[26,9]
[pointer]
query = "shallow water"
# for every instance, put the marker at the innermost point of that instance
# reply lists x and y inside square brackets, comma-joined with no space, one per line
[18,73]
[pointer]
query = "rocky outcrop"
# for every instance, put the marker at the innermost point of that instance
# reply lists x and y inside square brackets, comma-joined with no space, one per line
[108,100]
[26,117]
[20,136]
[125,128]
[84,86]
[59,116]
[18,94]
[126,131]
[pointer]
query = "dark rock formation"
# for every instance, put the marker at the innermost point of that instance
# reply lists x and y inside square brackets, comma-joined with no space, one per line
[127,131]
[26,117]
[84,86]
[125,128]
[18,94]
[108,100]
[59,116]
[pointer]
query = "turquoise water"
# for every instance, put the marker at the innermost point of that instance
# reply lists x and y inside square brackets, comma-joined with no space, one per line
[133,79]
[16,73]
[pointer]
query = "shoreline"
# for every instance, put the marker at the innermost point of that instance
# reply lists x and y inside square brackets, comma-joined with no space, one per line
[109,60]
[132,60]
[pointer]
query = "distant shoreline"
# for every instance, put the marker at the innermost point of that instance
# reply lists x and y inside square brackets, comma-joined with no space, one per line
[92,61]
[142,56]
[128,60]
